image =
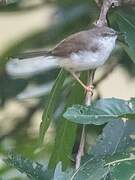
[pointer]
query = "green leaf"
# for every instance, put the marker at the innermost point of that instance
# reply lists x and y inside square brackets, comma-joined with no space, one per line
[33,170]
[66,131]
[130,52]
[101,112]
[126,23]
[117,136]
[118,166]
[48,112]
[62,175]
[64,142]
[86,115]
[92,169]
[124,170]
[122,165]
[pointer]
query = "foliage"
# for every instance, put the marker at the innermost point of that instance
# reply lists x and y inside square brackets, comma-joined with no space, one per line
[32,170]
[102,111]
[66,132]
[120,141]
[126,23]
[112,155]
[106,167]
[47,114]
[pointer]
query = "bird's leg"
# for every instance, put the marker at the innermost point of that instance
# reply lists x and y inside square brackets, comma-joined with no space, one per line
[87,88]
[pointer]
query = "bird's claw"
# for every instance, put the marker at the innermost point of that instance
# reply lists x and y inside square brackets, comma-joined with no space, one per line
[89,89]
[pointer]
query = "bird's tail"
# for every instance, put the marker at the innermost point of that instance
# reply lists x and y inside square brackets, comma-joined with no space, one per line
[30,64]
[32,54]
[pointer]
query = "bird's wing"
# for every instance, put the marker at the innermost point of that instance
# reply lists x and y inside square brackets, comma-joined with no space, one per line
[76,42]
[31,54]
[72,44]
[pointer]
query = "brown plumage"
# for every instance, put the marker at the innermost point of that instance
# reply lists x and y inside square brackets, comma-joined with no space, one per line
[80,41]
[73,44]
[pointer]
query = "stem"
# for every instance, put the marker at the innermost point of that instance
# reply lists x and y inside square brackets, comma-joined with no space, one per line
[88,100]
[120,160]
[81,149]
[101,22]
[104,10]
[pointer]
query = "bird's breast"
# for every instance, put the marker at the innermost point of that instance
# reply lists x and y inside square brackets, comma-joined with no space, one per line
[84,60]
[87,59]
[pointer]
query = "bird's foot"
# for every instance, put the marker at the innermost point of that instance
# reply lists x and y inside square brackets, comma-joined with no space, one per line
[89,89]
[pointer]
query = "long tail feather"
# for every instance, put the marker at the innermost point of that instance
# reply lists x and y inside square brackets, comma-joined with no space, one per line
[30,66]
[32,54]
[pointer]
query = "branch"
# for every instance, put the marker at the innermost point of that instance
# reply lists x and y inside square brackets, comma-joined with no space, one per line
[101,22]
[88,100]
[106,6]
[104,10]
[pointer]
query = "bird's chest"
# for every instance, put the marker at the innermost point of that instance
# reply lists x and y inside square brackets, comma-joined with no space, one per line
[84,60]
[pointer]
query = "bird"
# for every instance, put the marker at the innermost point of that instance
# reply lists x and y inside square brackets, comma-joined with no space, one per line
[84,50]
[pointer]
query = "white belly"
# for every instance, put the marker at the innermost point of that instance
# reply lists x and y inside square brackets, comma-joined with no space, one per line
[84,60]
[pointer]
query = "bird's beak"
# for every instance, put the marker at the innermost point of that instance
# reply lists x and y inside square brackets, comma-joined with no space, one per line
[120,36]
[120,33]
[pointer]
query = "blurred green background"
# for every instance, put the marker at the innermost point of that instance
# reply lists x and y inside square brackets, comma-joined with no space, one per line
[36,24]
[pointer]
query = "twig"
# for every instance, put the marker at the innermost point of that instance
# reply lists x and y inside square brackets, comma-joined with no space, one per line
[104,10]
[106,6]
[101,22]
[81,149]
[88,100]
